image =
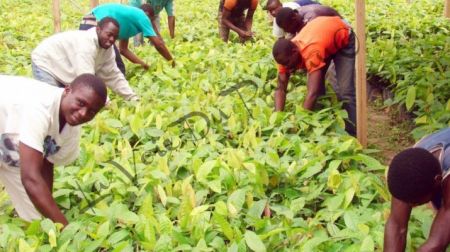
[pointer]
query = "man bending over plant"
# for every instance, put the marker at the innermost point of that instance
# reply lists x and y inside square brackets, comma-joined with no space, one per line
[231,16]
[321,40]
[416,176]
[59,59]
[274,6]
[40,128]
[132,21]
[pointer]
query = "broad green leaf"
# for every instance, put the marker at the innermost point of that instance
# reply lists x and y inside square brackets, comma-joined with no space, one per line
[254,242]
[118,236]
[24,246]
[205,169]
[235,202]
[367,245]
[410,97]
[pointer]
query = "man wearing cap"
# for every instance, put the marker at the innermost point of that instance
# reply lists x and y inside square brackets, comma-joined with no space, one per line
[318,42]
[417,176]
[40,128]
[231,16]
[132,21]
[59,59]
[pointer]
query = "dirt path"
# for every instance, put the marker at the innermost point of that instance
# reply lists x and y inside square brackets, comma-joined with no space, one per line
[387,132]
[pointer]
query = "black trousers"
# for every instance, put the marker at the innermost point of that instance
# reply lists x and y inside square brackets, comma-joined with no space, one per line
[119,60]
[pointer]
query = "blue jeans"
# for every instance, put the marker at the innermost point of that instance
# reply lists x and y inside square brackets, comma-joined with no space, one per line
[42,75]
[344,63]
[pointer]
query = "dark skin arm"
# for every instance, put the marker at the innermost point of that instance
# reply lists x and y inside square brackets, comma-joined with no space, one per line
[315,85]
[123,49]
[171,21]
[226,21]
[439,237]
[157,42]
[280,92]
[249,20]
[152,20]
[37,178]
[397,226]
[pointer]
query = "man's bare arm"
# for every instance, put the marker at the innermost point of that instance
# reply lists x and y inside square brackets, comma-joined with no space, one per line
[397,226]
[171,21]
[316,82]
[280,92]
[37,179]
[439,237]
[123,49]
[226,21]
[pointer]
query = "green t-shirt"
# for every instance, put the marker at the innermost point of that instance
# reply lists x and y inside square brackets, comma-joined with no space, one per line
[131,20]
[158,5]
[135,3]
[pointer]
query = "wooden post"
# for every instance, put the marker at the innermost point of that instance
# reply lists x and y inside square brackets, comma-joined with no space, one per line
[56,16]
[447,8]
[361,95]
[94,3]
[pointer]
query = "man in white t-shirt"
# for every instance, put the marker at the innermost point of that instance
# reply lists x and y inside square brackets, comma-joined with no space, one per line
[40,128]
[273,6]
[60,58]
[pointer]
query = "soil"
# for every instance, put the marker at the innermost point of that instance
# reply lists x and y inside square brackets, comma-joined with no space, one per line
[388,130]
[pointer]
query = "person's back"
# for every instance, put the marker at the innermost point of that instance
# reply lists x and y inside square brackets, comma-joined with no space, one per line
[132,20]
[55,52]
[238,6]
[438,143]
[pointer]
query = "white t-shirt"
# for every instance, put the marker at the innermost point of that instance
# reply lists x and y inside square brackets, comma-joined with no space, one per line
[29,113]
[69,54]
[277,31]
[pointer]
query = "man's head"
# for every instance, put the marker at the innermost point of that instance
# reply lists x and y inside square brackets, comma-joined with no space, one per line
[286,54]
[82,99]
[273,6]
[414,176]
[148,10]
[289,20]
[107,32]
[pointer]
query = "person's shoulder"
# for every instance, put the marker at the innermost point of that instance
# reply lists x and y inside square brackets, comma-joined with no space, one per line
[292,5]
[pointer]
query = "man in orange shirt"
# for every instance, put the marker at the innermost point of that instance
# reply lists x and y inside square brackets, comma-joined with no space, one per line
[231,16]
[317,43]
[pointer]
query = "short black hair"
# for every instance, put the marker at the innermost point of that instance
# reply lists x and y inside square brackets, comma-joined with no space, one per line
[93,82]
[270,2]
[282,50]
[412,173]
[285,15]
[147,8]
[106,20]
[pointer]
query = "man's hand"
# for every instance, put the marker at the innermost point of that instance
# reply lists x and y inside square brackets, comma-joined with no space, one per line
[145,66]
[246,34]
[37,178]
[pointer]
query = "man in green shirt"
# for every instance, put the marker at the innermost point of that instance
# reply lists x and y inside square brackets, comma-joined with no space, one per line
[132,21]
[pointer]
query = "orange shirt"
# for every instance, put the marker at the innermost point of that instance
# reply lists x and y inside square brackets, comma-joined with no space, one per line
[231,4]
[318,40]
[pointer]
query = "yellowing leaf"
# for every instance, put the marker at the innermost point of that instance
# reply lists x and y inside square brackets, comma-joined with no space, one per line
[334,180]
[254,242]
[52,238]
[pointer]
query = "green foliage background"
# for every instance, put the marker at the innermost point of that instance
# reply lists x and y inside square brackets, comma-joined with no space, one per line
[208,193]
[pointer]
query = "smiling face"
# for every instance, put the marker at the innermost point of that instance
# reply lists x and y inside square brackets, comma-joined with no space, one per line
[79,105]
[107,35]
[273,8]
